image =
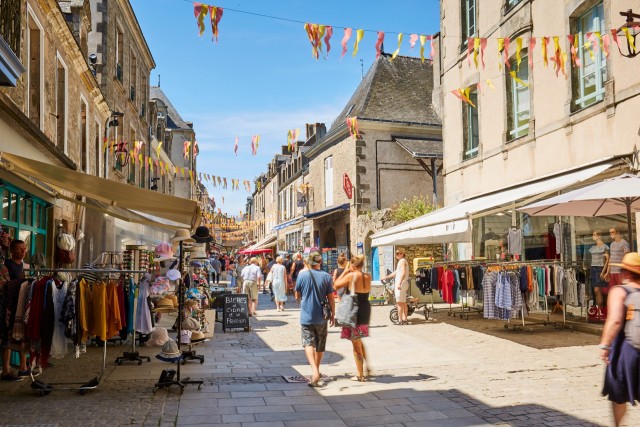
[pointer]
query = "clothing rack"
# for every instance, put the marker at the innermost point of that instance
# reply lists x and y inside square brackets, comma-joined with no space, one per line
[46,388]
[462,307]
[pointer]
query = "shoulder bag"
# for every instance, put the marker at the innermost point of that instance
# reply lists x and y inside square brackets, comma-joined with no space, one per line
[347,311]
[326,307]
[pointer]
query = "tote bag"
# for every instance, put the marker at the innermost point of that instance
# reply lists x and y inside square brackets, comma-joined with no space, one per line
[347,311]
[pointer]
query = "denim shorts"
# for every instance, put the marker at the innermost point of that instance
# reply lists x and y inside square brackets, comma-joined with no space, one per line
[315,336]
[596,280]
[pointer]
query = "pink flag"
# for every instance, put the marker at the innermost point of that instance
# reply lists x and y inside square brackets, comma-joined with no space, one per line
[327,37]
[430,38]
[605,44]
[235,147]
[532,44]
[379,43]
[412,40]
[483,46]
[345,39]
[506,52]
[469,49]
[614,36]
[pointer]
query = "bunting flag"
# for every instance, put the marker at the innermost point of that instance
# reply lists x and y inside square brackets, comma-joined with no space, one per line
[543,46]
[423,39]
[557,56]
[345,39]
[397,51]
[573,46]
[224,184]
[215,14]
[630,40]
[379,43]
[186,146]
[314,38]
[490,83]
[590,44]
[469,50]
[483,45]
[433,49]
[413,38]
[463,95]
[359,36]
[518,50]
[327,37]
[255,140]
[519,80]
[503,48]
[219,180]
[532,45]
[352,125]
[235,147]
[200,11]
[605,44]
[158,148]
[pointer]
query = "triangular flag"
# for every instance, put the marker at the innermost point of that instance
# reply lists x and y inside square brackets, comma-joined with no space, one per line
[359,36]
[630,40]
[235,147]
[413,38]
[397,51]
[215,15]
[518,49]
[200,11]
[463,95]
[327,37]
[379,43]
[532,45]
[543,46]
[515,77]
[345,39]
[423,39]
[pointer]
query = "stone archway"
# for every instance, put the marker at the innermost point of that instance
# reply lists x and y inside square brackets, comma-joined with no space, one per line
[329,240]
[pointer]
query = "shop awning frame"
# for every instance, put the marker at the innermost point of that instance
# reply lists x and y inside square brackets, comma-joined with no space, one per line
[114,197]
[431,228]
[288,223]
[327,211]
[265,243]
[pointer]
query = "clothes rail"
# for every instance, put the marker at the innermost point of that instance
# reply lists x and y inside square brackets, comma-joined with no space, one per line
[46,388]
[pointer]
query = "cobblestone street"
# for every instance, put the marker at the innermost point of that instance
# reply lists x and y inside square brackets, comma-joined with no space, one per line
[429,373]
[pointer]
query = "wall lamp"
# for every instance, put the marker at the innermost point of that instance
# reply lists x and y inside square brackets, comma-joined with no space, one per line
[632,27]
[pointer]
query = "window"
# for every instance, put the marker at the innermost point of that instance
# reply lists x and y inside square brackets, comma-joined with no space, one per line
[511,3]
[518,104]
[119,53]
[34,74]
[98,148]
[133,77]
[61,104]
[588,80]
[470,127]
[328,181]
[84,136]
[24,216]
[468,21]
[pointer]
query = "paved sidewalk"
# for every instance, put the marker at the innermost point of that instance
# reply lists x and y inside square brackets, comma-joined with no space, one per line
[426,374]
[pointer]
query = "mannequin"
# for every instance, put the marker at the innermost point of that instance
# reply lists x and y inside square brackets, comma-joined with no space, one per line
[599,265]
[618,248]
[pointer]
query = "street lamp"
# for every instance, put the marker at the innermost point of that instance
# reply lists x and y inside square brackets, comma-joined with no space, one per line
[632,27]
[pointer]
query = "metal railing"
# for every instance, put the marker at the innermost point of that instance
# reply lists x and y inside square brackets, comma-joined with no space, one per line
[10,15]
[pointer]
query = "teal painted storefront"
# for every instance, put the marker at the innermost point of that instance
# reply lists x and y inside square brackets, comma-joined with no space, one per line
[24,217]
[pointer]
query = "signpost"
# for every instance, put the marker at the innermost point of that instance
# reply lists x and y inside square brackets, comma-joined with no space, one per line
[347,186]
[235,314]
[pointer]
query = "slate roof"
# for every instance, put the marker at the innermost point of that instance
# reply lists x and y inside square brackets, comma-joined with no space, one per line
[174,119]
[398,90]
[421,148]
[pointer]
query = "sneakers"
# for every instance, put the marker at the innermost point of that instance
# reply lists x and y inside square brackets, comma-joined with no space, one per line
[26,373]
[10,378]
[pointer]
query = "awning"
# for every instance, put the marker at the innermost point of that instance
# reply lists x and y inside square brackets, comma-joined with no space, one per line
[105,191]
[430,228]
[327,211]
[288,223]
[265,243]
[421,148]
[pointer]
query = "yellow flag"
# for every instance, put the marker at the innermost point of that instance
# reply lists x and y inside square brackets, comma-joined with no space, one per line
[423,39]
[500,49]
[490,84]
[359,36]
[397,51]
[476,49]
[513,74]
[158,149]
[518,49]
[630,39]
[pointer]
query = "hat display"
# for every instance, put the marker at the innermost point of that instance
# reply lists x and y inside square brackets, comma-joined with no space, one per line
[630,262]
[197,336]
[164,305]
[163,252]
[173,274]
[185,336]
[158,337]
[181,235]
[197,252]
[65,242]
[203,235]
[170,352]
[314,258]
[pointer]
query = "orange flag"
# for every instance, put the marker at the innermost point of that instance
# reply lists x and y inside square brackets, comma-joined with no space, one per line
[463,95]
[215,13]
[345,39]
[200,11]
[379,43]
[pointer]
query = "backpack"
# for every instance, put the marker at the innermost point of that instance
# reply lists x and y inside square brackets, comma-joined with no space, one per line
[632,324]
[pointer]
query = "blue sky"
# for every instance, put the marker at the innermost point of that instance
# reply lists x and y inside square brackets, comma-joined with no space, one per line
[260,78]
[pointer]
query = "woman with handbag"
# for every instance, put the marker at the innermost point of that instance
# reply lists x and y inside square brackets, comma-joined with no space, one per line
[358,286]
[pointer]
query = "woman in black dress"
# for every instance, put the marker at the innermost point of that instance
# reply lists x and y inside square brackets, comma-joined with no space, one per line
[362,287]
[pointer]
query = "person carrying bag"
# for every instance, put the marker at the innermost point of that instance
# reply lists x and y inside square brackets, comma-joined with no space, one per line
[347,311]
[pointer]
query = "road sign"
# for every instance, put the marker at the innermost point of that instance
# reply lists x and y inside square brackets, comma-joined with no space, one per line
[347,186]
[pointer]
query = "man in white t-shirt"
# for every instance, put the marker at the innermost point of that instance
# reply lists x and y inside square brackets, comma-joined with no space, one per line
[251,279]
[617,249]
[401,275]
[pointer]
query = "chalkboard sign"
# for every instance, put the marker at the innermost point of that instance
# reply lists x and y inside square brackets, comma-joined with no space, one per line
[235,313]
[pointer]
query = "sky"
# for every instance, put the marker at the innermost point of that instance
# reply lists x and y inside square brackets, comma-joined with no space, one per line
[260,77]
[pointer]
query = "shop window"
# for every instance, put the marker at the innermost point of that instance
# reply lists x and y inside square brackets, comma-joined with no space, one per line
[518,99]
[468,9]
[470,127]
[588,80]
[34,72]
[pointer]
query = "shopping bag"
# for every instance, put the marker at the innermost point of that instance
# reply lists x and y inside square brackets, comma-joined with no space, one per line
[347,311]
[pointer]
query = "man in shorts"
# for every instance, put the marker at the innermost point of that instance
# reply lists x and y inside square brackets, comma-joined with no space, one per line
[313,287]
[251,279]
[401,282]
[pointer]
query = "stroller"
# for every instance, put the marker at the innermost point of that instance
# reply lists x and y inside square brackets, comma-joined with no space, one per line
[412,303]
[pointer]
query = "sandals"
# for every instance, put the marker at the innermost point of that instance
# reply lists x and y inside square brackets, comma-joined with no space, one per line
[358,379]
[316,384]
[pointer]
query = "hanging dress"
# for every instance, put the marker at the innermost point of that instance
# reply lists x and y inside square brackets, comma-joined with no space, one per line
[59,343]
[143,313]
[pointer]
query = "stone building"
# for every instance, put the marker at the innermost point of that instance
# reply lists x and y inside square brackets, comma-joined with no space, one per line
[51,110]
[397,154]
[542,130]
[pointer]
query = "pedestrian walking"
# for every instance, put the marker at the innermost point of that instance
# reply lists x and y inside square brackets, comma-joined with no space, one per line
[251,280]
[215,265]
[620,342]
[342,264]
[401,274]
[313,288]
[232,273]
[242,262]
[288,263]
[297,267]
[278,283]
[360,282]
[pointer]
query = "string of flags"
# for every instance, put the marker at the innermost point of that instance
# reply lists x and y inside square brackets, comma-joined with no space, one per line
[200,11]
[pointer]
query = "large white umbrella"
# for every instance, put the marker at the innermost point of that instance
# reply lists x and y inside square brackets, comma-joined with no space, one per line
[620,195]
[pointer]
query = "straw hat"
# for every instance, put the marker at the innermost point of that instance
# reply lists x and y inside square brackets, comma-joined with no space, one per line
[170,352]
[197,336]
[182,235]
[164,252]
[173,274]
[202,235]
[164,305]
[158,337]
[630,262]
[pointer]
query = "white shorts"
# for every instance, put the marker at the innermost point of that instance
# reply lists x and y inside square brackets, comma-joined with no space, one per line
[401,294]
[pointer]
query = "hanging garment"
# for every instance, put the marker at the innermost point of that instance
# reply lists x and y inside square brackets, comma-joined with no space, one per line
[112,315]
[143,314]
[99,311]
[59,341]
[489,282]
